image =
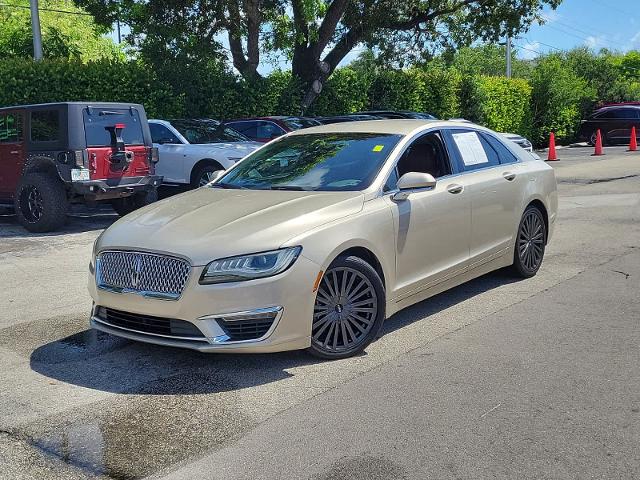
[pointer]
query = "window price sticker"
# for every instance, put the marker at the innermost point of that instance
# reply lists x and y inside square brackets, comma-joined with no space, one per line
[470,148]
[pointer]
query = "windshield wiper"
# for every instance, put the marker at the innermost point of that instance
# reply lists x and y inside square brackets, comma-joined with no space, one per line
[229,186]
[290,187]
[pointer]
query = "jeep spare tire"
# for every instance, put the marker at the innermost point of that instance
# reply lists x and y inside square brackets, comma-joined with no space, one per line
[126,205]
[40,202]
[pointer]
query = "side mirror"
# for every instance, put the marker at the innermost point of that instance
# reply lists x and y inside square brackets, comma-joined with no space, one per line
[412,181]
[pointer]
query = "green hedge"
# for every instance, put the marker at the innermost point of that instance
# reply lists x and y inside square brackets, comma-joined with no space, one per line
[553,100]
[23,81]
[499,103]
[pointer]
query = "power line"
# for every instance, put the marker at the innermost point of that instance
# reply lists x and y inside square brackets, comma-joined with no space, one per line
[44,9]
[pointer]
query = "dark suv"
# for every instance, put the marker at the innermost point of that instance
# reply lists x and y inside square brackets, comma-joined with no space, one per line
[614,122]
[57,153]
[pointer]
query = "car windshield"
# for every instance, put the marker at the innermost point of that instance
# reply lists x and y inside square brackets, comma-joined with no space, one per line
[207,131]
[296,123]
[323,161]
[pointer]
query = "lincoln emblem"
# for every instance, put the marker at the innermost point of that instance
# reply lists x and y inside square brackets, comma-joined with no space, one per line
[135,272]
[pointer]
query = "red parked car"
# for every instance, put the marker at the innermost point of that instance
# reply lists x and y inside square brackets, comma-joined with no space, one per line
[55,154]
[265,129]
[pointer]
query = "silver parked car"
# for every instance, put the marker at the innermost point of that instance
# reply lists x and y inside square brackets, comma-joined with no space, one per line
[313,240]
[191,150]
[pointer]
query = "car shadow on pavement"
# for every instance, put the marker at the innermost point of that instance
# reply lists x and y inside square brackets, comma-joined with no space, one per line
[79,220]
[448,299]
[100,361]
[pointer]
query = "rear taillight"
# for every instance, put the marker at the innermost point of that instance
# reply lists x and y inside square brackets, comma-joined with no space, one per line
[153,155]
[80,158]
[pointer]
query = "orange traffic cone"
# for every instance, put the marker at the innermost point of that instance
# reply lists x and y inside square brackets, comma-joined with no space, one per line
[552,148]
[599,150]
[633,142]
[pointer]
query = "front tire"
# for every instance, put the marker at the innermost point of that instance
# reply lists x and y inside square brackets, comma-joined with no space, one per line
[40,202]
[349,309]
[126,205]
[530,243]
[204,175]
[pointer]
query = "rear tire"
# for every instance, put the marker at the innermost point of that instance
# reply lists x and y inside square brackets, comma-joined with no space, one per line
[349,309]
[126,205]
[41,202]
[530,244]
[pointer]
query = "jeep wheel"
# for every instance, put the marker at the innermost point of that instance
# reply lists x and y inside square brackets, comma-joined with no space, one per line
[126,205]
[40,202]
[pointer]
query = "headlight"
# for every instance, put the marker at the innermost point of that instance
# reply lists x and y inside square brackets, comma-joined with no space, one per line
[249,267]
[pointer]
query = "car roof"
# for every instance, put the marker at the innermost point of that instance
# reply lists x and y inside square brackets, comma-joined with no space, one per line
[58,104]
[618,107]
[389,126]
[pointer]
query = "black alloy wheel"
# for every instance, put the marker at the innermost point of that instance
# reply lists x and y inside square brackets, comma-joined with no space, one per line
[40,202]
[530,243]
[349,309]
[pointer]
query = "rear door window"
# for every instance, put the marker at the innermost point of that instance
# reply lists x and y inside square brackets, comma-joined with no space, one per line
[268,130]
[474,152]
[10,128]
[629,113]
[505,155]
[98,120]
[45,126]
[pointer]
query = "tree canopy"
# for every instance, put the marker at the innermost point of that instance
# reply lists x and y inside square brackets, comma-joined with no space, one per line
[315,35]
[67,33]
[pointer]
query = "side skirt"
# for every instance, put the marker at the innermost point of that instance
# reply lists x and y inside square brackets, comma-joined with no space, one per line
[500,262]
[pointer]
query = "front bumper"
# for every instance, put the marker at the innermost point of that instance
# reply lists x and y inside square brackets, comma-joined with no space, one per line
[116,187]
[289,293]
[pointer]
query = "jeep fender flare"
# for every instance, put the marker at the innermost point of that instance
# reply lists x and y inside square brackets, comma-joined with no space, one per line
[43,163]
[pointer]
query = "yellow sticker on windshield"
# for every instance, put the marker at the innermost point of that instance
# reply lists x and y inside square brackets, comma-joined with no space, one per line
[378,148]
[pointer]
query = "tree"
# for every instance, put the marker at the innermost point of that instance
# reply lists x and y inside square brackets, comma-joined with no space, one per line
[316,35]
[72,34]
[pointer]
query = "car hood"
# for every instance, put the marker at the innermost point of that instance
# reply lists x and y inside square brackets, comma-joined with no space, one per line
[229,149]
[210,223]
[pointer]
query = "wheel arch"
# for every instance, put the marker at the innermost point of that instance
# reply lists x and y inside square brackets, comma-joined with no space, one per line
[368,256]
[41,164]
[202,163]
[537,203]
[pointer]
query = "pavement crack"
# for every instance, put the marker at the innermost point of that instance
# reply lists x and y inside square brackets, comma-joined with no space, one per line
[626,275]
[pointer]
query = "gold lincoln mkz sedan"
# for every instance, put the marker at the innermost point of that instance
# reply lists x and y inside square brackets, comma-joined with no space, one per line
[315,238]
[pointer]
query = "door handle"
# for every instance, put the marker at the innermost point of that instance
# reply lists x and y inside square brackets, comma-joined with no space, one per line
[14,152]
[509,176]
[455,188]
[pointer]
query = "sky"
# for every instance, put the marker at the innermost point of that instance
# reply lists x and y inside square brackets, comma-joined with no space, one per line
[612,24]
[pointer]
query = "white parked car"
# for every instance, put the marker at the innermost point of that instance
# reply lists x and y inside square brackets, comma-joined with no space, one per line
[191,150]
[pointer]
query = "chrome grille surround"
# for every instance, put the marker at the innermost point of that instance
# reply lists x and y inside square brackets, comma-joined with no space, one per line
[147,274]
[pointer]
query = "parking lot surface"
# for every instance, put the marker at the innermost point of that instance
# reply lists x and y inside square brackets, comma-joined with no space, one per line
[495,379]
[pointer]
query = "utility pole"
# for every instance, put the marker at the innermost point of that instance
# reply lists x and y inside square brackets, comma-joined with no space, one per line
[508,57]
[35,28]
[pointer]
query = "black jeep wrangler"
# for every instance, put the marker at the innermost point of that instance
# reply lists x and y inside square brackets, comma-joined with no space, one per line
[55,154]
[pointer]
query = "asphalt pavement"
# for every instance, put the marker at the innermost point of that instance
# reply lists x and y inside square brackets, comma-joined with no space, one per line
[497,378]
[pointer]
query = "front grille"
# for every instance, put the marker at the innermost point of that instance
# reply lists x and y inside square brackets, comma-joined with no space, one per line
[145,273]
[238,330]
[168,327]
